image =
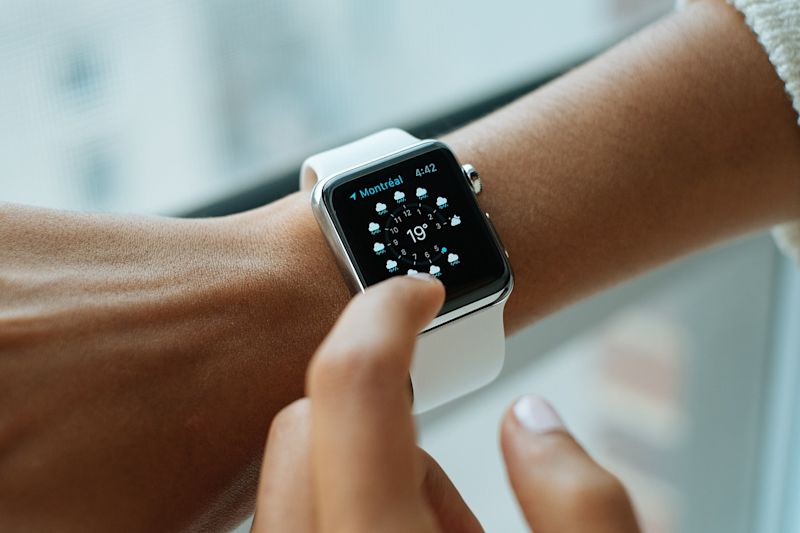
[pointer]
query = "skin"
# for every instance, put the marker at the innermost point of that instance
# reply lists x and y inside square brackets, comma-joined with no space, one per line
[142,358]
[345,459]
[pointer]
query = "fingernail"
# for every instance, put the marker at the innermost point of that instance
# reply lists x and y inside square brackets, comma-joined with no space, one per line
[535,414]
[422,276]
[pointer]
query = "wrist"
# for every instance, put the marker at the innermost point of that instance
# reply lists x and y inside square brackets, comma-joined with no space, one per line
[292,265]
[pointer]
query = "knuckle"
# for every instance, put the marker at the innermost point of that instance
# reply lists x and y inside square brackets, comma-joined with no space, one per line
[593,493]
[290,419]
[359,368]
[19,330]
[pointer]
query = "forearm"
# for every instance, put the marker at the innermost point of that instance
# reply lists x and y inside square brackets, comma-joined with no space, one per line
[142,359]
[675,139]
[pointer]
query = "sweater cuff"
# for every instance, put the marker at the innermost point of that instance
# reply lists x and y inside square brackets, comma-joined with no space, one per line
[776,24]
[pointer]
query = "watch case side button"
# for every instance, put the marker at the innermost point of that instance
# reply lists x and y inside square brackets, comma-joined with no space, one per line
[473,177]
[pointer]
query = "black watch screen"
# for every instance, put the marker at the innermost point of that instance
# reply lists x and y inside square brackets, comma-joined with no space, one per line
[416,212]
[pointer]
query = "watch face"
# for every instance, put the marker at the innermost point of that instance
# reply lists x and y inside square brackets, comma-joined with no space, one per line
[416,212]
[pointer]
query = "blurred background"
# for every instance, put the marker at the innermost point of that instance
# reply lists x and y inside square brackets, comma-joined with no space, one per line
[682,381]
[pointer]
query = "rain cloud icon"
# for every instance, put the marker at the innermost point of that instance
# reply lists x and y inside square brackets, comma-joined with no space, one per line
[391,265]
[422,192]
[400,196]
[441,201]
[411,272]
[452,259]
[380,207]
[379,248]
[374,227]
[455,221]
[435,270]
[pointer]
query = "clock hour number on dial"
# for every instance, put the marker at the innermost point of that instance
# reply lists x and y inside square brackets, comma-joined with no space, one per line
[413,232]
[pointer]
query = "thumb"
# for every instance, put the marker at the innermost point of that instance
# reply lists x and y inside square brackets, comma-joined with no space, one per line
[557,484]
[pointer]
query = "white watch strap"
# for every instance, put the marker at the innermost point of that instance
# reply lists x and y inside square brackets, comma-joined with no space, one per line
[458,357]
[450,360]
[325,164]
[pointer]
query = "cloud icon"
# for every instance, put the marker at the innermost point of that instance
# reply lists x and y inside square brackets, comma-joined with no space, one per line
[455,221]
[422,192]
[391,265]
[399,196]
[452,258]
[434,270]
[380,207]
[378,248]
[441,201]
[374,227]
[411,271]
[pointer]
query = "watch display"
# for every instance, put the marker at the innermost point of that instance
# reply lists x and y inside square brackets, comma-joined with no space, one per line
[416,212]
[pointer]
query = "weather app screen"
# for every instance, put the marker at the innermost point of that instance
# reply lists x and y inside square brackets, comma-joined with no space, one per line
[419,215]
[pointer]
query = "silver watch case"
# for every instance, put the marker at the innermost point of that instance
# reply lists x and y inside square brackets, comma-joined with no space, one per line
[345,263]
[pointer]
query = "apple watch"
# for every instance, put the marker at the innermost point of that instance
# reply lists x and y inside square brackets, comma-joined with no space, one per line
[391,205]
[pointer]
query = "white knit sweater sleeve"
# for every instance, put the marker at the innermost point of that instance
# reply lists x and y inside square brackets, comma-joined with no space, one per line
[776,24]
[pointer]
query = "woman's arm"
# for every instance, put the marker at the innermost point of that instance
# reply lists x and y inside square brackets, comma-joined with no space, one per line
[677,138]
[141,359]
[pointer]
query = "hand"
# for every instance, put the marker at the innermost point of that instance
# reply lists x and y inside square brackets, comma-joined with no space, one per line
[345,458]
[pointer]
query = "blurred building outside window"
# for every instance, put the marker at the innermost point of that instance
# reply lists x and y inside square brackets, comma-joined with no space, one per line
[159,106]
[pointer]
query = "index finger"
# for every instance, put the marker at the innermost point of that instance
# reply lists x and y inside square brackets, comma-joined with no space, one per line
[363,446]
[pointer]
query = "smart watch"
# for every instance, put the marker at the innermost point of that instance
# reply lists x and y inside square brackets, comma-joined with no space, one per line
[391,205]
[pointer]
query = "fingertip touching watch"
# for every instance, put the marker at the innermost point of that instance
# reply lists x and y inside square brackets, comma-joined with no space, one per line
[390,204]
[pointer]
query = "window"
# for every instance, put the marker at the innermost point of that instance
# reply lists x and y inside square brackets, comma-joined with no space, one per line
[161,106]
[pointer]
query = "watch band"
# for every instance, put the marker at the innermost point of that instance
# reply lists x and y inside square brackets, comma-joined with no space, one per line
[454,358]
[458,357]
[364,150]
